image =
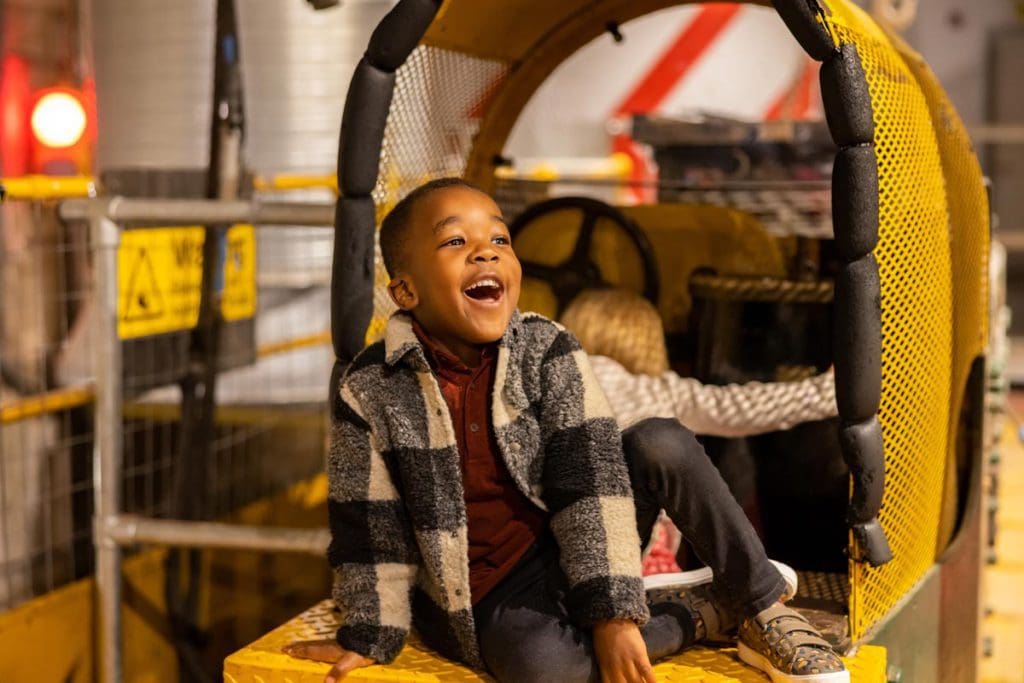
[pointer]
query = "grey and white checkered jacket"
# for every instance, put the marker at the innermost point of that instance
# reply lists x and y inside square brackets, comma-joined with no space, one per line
[397,515]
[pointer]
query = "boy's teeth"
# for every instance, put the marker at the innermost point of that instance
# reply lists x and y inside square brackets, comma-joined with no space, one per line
[484,283]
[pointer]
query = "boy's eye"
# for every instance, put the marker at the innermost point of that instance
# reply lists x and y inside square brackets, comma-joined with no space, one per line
[501,239]
[454,242]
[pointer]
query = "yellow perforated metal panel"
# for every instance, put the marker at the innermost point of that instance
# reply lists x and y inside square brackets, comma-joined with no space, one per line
[915,270]
[969,241]
[263,661]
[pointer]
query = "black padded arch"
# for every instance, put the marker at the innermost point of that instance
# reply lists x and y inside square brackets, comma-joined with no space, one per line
[855,201]
[858,340]
[362,134]
[855,217]
[870,543]
[862,448]
[804,19]
[362,128]
[352,275]
[847,102]
[398,33]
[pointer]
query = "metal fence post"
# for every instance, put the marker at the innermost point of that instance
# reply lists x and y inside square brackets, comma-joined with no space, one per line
[107,454]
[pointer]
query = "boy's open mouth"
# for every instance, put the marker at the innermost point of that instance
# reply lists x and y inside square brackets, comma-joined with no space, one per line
[487,289]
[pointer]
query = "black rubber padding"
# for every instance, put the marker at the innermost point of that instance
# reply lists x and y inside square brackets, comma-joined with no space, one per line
[337,371]
[855,201]
[352,275]
[803,18]
[871,544]
[864,455]
[845,96]
[362,129]
[858,340]
[399,32]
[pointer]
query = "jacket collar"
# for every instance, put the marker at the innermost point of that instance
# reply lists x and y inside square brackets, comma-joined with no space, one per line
[401,342]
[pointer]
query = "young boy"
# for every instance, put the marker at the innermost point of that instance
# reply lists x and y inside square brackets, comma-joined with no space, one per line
[479,489]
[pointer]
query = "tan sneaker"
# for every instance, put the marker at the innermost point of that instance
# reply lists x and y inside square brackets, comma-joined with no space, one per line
[712,623]
[782,643]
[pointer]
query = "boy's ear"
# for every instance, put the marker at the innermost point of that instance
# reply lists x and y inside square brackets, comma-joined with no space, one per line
[403,293]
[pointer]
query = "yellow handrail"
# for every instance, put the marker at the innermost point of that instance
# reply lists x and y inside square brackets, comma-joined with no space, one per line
[296,182]
[41,187]
[46,403]
[273,348]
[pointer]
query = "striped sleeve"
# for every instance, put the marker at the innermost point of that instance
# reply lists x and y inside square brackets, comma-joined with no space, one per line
[586,488]
[372,551]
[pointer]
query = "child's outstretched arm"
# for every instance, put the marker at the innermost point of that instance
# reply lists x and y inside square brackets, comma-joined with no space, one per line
[372,551]
[587,490]
[729,410]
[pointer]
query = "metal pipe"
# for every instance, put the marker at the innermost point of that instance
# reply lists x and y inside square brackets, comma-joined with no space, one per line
[131,529]
[199,211]
[274,348]
[46,403]
[286,181]
[107,453]
[41,187]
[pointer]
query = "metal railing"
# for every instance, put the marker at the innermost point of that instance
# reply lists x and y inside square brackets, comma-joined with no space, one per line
[113,527]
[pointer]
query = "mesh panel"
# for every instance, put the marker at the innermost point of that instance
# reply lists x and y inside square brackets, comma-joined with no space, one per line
[440,97]
[915,271]
[969,239]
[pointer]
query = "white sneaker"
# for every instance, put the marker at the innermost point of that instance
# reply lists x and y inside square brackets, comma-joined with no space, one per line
[696,577]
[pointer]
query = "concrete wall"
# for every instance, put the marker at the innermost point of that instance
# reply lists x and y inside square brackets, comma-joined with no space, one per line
[953,37]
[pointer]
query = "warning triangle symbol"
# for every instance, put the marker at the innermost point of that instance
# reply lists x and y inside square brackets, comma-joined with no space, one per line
[143,300]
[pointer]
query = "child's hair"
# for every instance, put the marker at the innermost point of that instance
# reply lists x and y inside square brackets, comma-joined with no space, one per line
[393,227]
[620,325]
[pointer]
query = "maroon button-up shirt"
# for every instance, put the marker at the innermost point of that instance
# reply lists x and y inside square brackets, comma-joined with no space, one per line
[502,522]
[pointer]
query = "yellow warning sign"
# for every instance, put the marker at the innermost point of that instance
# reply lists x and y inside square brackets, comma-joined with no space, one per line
[160,271]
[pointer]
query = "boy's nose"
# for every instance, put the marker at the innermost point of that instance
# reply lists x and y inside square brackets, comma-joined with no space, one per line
[487,253]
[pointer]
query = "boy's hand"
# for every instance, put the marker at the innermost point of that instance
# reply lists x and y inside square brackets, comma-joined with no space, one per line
[621,652]
[329,651]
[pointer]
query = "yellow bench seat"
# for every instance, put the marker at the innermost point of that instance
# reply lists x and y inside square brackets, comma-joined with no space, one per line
[264,662]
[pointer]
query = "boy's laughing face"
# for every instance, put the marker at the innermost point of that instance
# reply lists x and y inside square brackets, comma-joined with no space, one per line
[459,275]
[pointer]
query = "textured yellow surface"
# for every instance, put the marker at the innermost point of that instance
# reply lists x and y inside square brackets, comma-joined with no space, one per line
[915,269]
[1003,587]
[263,661]
[53,637]
[969,237]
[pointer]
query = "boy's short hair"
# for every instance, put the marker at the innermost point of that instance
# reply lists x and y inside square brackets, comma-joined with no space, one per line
[393,228]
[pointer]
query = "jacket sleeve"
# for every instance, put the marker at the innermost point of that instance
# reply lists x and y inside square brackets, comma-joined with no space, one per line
[586,489]
[729,410]
[372,551]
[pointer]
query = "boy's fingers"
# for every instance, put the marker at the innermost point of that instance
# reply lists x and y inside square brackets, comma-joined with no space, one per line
[646,672]
[320,650]
[343,666]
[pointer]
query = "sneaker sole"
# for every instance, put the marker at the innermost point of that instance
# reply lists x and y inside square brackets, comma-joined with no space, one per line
[759,661]
[703,575]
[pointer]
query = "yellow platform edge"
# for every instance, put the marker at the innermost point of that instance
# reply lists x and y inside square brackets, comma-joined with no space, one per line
[264,662]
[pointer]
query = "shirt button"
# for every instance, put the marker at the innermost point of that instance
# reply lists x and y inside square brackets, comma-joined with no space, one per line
[474,427]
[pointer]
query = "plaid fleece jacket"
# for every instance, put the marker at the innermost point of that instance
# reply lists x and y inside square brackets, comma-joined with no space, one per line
[397,515]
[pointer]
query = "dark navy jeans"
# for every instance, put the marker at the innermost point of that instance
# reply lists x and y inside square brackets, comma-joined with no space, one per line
[525,631]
